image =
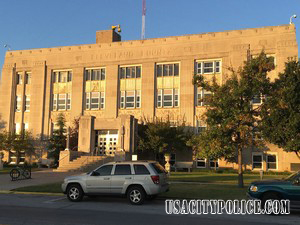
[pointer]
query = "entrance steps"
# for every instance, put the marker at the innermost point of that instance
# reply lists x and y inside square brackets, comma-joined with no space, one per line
[84,164]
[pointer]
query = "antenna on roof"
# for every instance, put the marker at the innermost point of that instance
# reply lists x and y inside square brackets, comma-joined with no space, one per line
[291,18]
[143,19]
[7,46]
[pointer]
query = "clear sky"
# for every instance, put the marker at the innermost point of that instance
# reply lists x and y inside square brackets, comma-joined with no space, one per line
[26,24]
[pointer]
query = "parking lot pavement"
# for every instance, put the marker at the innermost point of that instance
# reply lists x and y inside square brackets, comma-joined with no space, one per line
[18,209]
[38,177]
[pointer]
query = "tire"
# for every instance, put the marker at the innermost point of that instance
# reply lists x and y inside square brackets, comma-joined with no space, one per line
[14,174]
[136,195]
[27,174]
[75,193]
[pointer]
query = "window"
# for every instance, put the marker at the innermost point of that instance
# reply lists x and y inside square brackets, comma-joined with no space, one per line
[54,105]
[257,161]
[21,157]
[271,162]
[94,100]
[208,67]
[158,168]
[95,74]
[19,78]
[258,99]
[167,70]
[61,102]
[25,127]
[122,170]
[27,103]
[203,97]
[201,163]
[27,78]
[62,76]
[257,134]
[140,170]
[130,72]
[167,98]
[201,126]
[213,163]
[17,128]
[18,103]
[130,99]
[105,170]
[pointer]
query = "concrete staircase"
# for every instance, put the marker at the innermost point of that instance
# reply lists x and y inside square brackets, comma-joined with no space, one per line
[84,164]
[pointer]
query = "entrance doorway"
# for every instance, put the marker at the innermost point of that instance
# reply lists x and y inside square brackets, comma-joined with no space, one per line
[106,142]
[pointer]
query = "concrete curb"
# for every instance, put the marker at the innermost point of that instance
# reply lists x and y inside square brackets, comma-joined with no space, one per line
[31,193]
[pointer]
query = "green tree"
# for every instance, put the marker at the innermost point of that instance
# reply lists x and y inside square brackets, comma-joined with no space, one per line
[18,143]
[57,142]
[231,116]
[281,113]
[161,137]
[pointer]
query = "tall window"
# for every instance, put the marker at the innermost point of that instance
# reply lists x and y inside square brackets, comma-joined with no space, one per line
[167,69]
[94,100]
[62,76]
[257,161]
[61,102]
[258,99]
[27,103]
[95,74]
[19,78]
[201,126]
[203,97]
[201,163]
[130,99]
[167,98]
[130,72]
[18,103]
[17,128]
[271,162]
[27,78]
[208,67]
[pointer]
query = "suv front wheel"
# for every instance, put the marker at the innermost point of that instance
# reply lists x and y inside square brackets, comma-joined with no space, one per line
[75,193]
[136,195]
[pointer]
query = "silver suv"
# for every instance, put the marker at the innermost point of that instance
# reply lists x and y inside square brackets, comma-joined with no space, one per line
[135,179]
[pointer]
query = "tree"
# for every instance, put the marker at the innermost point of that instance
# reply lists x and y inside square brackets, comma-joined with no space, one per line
[281,113]
[161,137]
[18,143]
[231,116]
[57,142]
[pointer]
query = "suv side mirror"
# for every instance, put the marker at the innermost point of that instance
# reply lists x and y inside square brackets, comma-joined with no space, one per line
[95,173]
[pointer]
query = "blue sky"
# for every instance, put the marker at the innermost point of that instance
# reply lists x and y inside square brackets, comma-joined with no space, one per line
[48,23]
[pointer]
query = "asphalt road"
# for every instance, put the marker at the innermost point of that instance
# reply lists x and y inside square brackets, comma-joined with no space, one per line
[45,210]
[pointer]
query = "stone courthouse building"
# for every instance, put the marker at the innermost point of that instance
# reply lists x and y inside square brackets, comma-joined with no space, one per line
[112,84]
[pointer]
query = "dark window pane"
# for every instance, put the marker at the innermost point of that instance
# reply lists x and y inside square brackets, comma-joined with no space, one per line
[159,70]
[138,72]
[122,170]
[123,71]
[105,170]
[141,169]
[176,69]
[271,158]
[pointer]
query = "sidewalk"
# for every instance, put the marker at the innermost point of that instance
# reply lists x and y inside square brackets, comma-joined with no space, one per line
[38,178]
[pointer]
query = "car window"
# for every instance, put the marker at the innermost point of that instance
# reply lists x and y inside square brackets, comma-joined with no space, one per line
[122,170]
[158,168]
[104,170]
[140,169]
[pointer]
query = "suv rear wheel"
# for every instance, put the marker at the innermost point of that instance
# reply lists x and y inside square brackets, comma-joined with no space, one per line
[75,193]
[136,195]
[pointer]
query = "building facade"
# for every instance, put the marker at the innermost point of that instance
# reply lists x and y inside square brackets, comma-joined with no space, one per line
[112,85]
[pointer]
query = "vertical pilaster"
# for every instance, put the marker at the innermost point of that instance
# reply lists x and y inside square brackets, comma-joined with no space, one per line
[111,92]
[77,93]
[148,89]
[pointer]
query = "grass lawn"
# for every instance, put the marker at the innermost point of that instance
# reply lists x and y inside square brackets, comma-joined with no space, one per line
[50,188]
[229,178]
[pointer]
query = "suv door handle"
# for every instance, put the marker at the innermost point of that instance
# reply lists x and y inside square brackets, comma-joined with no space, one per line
[106,178]
[127,178]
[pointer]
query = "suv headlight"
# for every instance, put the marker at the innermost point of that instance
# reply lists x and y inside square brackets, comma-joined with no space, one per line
[253,188]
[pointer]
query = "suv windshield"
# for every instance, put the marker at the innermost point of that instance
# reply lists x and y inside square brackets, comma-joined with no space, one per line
[291,177]
[158,168]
